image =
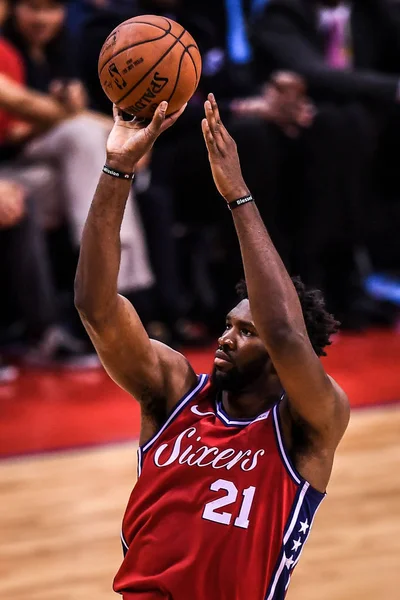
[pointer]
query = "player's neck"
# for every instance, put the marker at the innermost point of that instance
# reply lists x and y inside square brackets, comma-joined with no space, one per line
[251,403]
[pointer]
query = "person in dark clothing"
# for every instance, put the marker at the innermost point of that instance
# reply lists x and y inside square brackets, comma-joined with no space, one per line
[38,30]
[158,195]
[346,53]
[297,35]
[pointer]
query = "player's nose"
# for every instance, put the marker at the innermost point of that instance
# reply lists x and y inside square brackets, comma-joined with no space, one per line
[227,340]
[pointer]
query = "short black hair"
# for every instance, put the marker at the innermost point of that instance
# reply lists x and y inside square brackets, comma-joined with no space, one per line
[320,324]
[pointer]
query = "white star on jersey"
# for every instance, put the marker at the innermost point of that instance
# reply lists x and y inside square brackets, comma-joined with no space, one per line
[304,526]
[289,562]
[296,545]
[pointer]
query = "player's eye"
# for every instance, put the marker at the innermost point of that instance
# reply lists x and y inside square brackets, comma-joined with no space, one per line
[227,326]
[246,332]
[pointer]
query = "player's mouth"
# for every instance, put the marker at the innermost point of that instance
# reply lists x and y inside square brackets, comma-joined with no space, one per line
[221,359]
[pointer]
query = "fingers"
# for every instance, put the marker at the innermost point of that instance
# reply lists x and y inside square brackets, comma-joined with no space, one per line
[253,107]
[117,113]
[214,119]
[159,123]
[120,116]
[56,88]
[215,108]
[169,121]
[208,136]
[215,134]
[154,128]
[306,114]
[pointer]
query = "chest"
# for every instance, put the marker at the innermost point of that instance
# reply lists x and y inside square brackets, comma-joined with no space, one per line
[204,443]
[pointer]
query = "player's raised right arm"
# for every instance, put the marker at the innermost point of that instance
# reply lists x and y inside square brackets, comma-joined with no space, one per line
[144,368]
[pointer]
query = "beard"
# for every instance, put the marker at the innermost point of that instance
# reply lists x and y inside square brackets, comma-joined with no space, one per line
[237,380]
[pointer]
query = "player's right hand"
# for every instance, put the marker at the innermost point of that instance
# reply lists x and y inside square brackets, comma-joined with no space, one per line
[130,140]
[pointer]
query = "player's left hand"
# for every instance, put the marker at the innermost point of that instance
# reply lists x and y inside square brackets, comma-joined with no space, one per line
[130,140]
[222,154]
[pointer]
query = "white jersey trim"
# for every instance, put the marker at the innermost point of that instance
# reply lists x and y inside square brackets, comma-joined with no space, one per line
[224,417]
[282,450]
[123,541]
[287,536]
[293,522]
[305,502]
[139,461]
[202,380]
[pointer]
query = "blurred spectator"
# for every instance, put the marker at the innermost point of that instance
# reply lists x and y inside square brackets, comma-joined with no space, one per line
[11,211]
[345,53]
[58,158]
[74,150]
[168,318]
[98,19]
[27,276]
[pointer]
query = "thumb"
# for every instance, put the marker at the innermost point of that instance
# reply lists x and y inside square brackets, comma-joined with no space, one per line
[154,129]
[56,88]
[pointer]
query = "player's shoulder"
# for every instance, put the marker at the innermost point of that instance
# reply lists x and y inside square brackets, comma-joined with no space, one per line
[178,374]
[169,358]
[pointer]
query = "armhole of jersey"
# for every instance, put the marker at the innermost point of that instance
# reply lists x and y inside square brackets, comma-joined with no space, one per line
[201,382]
[297,478]
[290,468]
[125,546]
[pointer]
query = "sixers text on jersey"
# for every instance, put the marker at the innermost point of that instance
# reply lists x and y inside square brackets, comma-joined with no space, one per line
[218,512]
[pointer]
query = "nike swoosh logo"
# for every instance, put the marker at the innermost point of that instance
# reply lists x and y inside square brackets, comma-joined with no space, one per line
[196,411]
[262,417]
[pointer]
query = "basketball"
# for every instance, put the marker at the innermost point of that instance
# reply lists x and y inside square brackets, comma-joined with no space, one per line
[146,60]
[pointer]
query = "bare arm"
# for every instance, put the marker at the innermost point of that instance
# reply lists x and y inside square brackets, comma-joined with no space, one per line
[280,35]
[29,104]
[144,368]
[274,303]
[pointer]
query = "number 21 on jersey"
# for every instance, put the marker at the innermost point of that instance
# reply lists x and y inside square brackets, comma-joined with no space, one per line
[210,512]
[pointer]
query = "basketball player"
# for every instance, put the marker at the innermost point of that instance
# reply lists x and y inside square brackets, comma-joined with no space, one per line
[232,468]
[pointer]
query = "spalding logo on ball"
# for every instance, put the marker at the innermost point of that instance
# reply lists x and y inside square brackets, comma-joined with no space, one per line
[146,60]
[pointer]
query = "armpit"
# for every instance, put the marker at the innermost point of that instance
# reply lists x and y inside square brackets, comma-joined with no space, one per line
[153,407]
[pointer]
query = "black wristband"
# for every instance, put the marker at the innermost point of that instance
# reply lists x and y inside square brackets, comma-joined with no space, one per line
[118,174]
[239,202]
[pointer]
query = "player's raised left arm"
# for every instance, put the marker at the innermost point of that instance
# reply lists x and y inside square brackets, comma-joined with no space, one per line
[274,303]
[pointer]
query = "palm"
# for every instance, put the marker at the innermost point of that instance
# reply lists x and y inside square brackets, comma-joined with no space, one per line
[129,141]
[126,138]
[219,175]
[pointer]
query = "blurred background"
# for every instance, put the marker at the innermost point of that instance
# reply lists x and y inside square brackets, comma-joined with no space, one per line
[330,197]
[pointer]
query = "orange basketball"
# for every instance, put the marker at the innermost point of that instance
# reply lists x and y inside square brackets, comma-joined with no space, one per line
[146,60]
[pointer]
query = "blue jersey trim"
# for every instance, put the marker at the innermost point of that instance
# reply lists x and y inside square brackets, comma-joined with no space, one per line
[201,382]
[297,531]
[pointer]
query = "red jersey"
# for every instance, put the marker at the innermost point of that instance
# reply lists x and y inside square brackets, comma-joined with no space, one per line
[218,511]
[11,65]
